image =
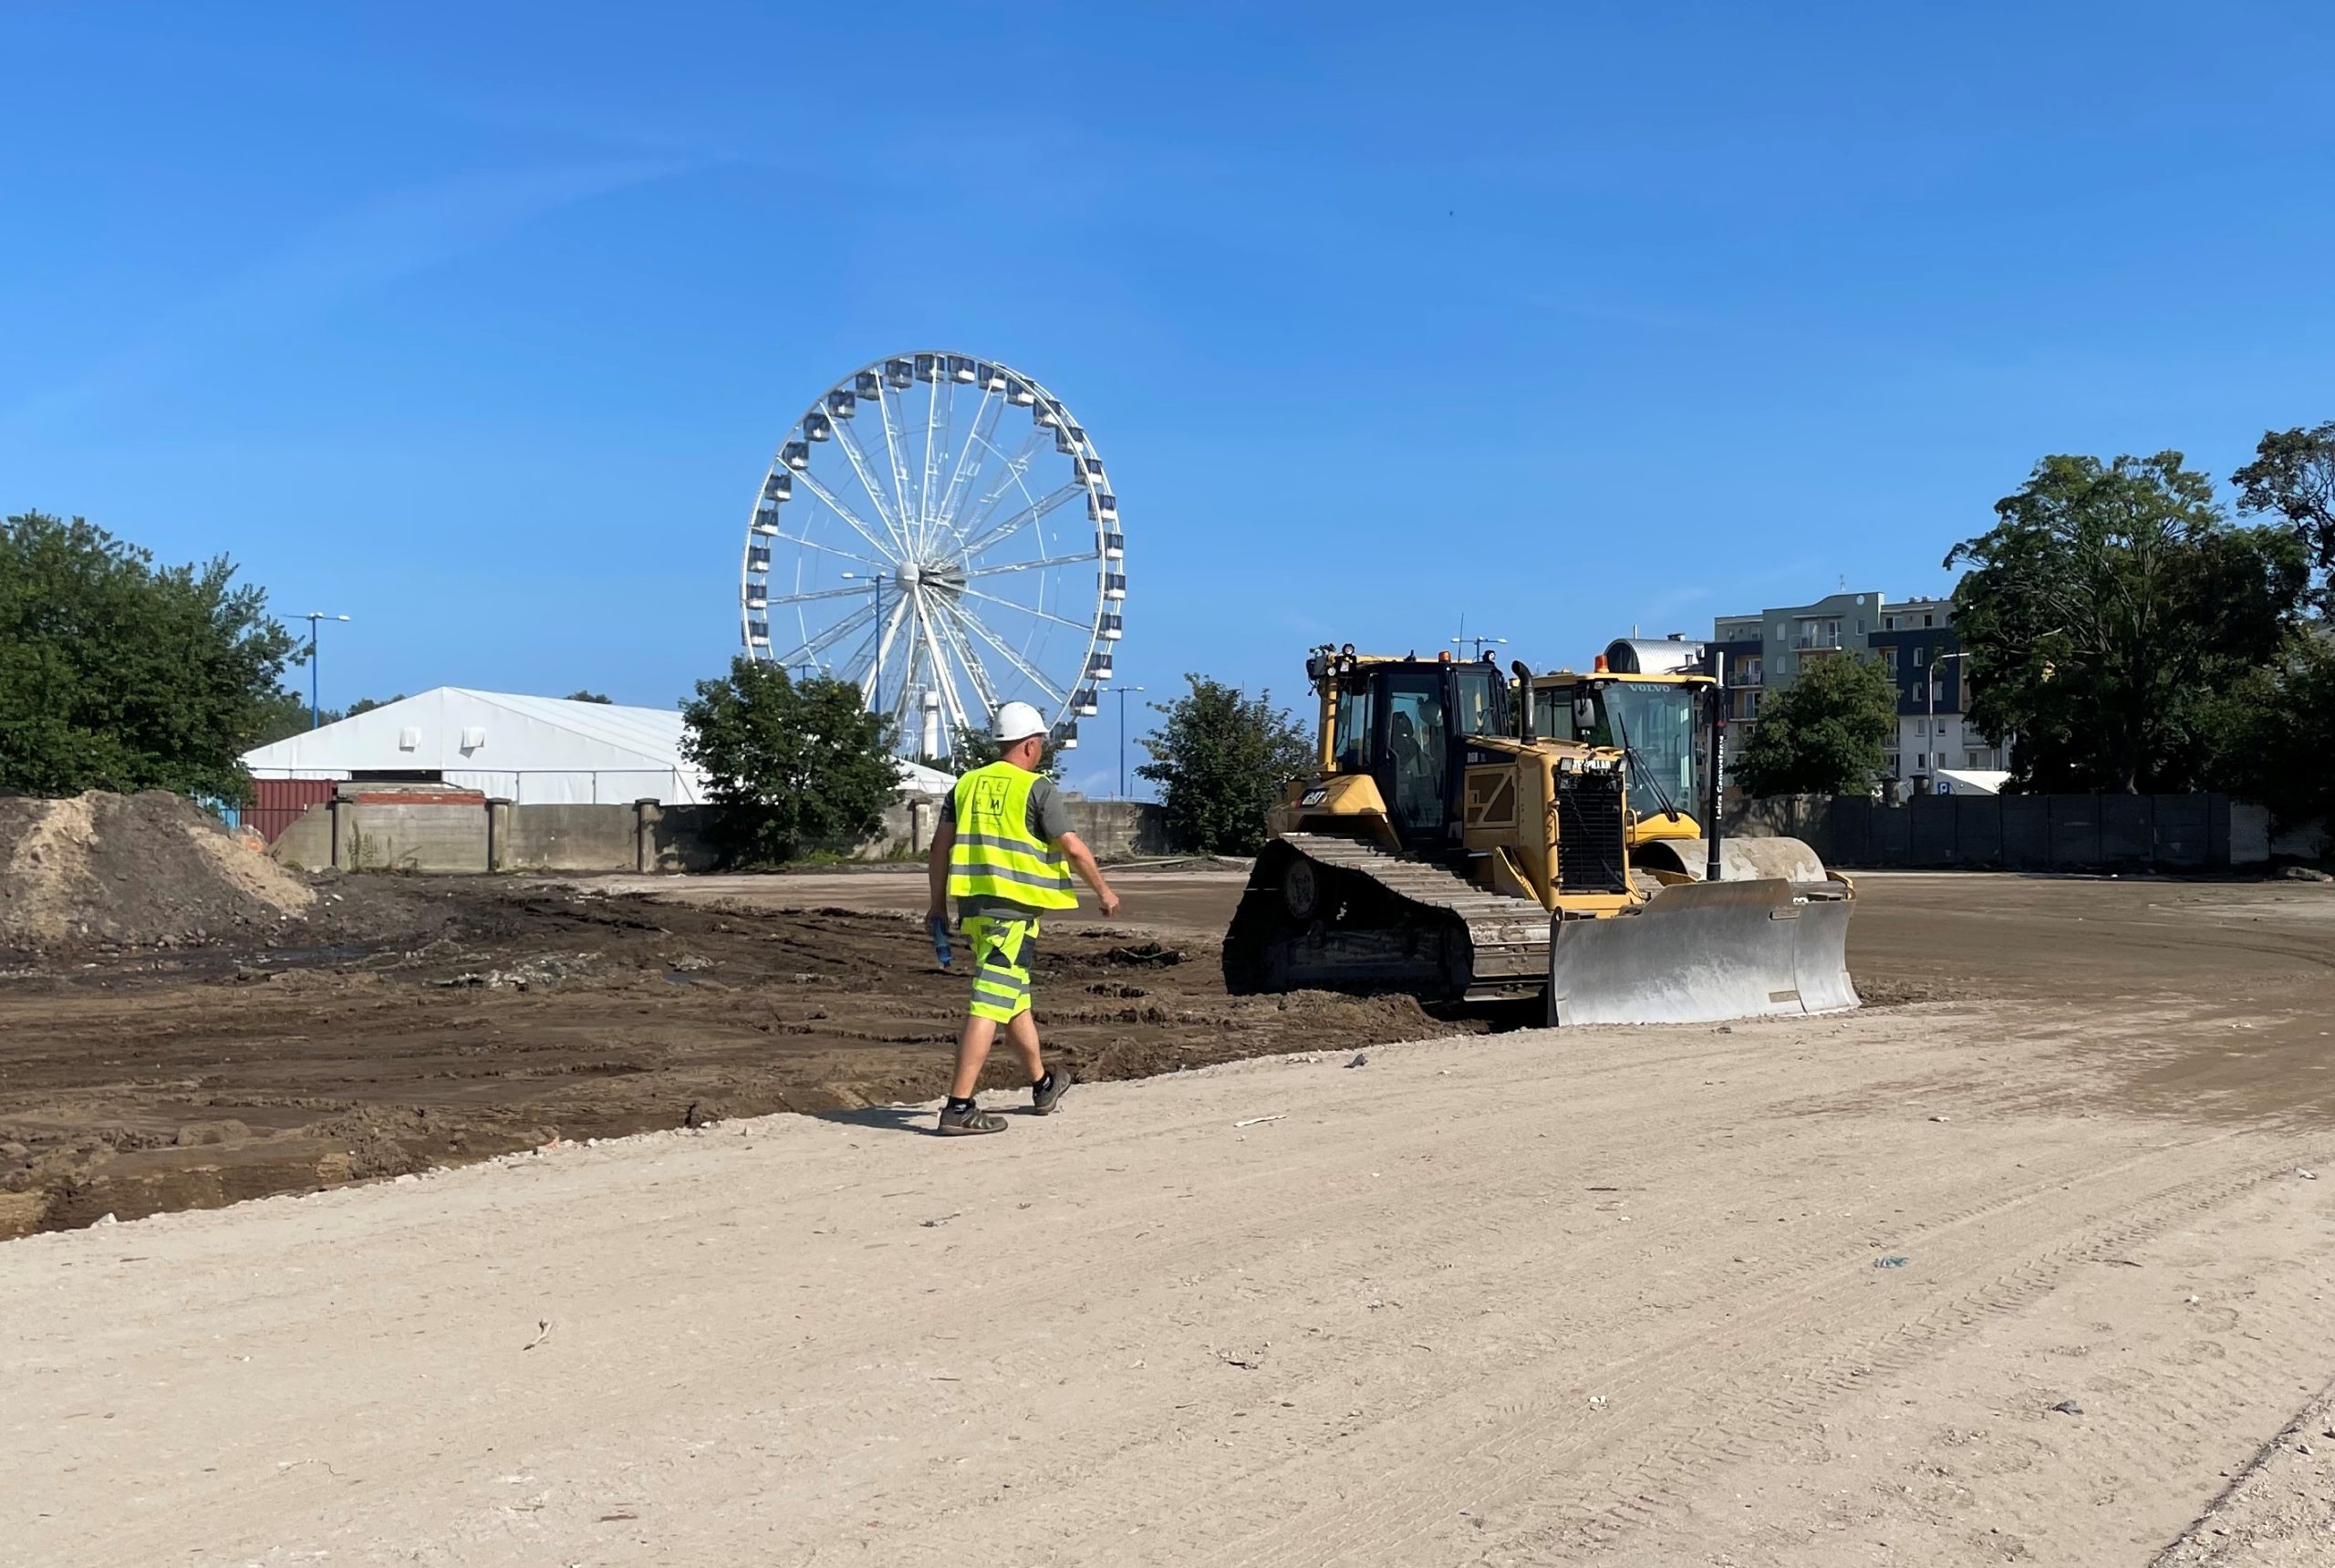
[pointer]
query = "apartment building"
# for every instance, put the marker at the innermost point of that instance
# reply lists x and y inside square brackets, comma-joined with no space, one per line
[1916,643]
[1914,638]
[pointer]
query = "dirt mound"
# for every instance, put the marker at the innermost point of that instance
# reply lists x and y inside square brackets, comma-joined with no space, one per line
[141,870]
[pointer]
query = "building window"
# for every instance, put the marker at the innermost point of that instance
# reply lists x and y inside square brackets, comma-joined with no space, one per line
[1917,657]
[1893,766]
[1889,623]
[1889,657]
[1930,620]
[1972,759]
[1921,762]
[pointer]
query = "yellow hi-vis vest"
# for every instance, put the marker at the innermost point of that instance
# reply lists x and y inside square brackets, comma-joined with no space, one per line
[996,855]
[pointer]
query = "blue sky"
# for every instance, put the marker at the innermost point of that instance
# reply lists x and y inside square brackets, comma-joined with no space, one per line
[479,323]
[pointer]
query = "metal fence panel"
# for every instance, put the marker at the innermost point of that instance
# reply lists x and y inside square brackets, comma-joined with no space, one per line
[2127,829]
[1978,829]
[2182,838]
[2075,831]
[1930,830]
[2026,832]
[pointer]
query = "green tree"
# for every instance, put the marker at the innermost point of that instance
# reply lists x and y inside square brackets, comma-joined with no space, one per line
[793,764]
[287,714]
[973,748]
[2110,614]
[2268,735]
[118,674]
[589,697]
[363,705]
[1826,733]
[2293,476]
[1221,759]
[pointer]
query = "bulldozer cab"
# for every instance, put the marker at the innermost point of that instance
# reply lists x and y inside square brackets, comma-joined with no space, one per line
[1406,722]
[1662,721]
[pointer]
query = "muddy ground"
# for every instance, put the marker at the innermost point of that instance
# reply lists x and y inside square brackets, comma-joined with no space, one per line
[440,1021]
[501,1016]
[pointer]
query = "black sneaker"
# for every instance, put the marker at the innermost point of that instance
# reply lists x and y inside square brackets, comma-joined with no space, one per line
[965,1122]
[1042,1101]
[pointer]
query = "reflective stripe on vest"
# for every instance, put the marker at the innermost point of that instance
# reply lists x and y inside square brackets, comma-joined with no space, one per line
[996,856]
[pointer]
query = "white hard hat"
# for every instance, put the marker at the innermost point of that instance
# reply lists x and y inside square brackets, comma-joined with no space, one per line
[1015,722]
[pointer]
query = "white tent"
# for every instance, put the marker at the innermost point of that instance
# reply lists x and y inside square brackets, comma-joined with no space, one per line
[536,750]
[1970,781]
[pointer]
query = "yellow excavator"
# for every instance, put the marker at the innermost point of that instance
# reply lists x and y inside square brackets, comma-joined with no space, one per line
[1659,701]
[1447,849]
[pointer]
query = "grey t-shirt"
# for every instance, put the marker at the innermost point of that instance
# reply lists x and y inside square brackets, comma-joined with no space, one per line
[1048,818]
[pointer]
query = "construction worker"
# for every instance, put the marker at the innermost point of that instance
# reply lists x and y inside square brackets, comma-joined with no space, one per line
[1005,854]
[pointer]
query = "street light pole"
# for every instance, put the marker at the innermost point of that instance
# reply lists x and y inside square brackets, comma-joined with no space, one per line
[1929,689]
[1122,693]
[876,580]
[311,617]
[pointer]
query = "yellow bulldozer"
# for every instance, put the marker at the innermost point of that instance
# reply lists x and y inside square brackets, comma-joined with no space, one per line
[1447,848]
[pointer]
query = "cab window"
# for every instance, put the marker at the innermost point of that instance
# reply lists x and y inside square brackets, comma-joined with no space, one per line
[1478,686]
[1352,734]
[1553,713]
[1418,749]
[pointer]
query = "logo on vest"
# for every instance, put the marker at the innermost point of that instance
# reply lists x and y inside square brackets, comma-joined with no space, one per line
[989,799]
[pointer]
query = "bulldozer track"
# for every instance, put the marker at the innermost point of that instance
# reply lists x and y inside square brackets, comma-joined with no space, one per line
[1507,938]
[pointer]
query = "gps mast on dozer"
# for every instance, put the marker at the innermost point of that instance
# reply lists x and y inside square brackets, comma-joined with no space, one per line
[1447,851]
[1659,701]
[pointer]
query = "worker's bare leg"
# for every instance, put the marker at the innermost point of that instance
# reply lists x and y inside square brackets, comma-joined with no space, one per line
[972,1052]
[1022,1035]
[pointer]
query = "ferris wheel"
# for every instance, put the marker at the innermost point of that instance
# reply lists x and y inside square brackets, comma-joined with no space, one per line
[939,530]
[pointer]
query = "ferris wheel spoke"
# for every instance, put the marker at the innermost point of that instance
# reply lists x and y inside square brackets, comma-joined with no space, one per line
[1015,467]
[1079,626]
[975,671]
[936,505]
[972,454]
[930,625]
[931,472]
[895,424]
[819,594]
[812,482]
[859,460]
[1029,672]
[999,532]
[1040,564]
[883,650]
[949,679]
[829,549]
[812,645]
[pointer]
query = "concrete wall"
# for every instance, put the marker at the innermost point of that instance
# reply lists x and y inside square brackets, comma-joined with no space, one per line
[376,836]
[2021,831]
[564,837]
[307,843]
[370,834]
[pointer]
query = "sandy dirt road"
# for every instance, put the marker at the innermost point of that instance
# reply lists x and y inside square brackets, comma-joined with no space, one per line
[1608,1295]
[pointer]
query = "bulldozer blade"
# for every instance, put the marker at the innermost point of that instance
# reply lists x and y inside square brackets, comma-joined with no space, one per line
[1740,860]
[1703,952]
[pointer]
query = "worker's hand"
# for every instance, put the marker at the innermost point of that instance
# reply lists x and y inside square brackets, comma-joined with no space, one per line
[937,912]
[1110,905]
